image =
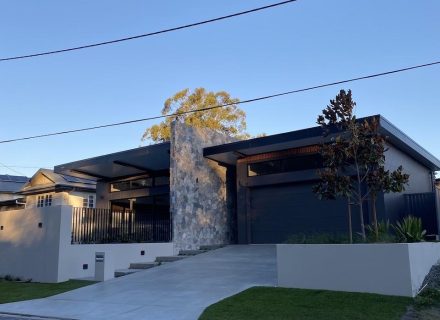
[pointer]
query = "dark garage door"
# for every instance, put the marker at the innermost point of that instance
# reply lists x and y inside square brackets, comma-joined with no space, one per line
[282,210]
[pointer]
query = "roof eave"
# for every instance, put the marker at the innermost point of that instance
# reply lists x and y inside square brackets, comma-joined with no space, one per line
[228,154]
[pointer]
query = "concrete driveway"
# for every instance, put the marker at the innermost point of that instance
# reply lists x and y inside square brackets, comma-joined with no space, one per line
[178,290]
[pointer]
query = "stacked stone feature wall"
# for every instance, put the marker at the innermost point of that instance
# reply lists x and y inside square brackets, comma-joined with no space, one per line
[202,204]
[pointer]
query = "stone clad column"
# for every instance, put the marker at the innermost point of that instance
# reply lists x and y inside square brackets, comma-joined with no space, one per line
[200,203]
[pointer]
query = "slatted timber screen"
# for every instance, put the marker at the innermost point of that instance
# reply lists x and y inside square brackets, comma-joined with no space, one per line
[94,225]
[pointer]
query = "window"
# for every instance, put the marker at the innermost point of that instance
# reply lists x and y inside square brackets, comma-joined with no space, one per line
[131,184]
[44,200]
[40,201]
[308,162]
[89,201]
[162,181]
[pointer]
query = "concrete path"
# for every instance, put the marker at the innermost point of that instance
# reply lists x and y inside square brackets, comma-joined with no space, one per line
[178,290]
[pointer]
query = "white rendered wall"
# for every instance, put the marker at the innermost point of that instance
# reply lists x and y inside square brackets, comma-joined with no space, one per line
[118,255]
[390,269]
[27,250]
[46,255]
[422,256]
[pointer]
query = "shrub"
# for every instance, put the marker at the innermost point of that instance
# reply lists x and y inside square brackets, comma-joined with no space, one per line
[429,297]
[384,234]
[317,238]
[409,229]
[8,277]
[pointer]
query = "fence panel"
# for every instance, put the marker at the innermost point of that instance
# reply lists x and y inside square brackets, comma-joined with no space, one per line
[90,225]
[423,205]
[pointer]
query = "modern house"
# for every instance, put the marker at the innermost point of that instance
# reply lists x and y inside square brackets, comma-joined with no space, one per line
[9,186]
[275,175]
[203,188]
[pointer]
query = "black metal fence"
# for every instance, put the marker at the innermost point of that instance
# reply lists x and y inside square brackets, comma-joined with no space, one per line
[423,205]
[91,225]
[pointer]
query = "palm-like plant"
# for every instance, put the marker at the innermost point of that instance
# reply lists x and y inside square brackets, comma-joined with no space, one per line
[410,229]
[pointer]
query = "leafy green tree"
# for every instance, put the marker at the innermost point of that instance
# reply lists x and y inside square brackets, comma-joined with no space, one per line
[230,120]
[353,158]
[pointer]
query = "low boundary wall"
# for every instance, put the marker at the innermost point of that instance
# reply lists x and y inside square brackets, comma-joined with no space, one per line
[36,244]
[390,269]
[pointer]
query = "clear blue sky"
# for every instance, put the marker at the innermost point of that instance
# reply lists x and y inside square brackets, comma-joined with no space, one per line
[297,45]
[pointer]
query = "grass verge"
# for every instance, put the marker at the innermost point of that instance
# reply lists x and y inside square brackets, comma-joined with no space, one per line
[281,303]
[11,291]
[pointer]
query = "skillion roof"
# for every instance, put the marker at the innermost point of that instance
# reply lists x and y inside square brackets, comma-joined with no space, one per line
[143,160]
[229,153]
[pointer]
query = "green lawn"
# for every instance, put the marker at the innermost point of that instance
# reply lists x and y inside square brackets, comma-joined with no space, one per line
[16,291]
[280,303]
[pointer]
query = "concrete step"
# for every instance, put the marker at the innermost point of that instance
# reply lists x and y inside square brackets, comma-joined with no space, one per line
[142,265]
[124,272]
[191,252]
[211,247]
[169,258]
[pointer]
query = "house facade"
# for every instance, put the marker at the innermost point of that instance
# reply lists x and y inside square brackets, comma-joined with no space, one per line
[216,190]
[166,192]
[275,176]
[200,188]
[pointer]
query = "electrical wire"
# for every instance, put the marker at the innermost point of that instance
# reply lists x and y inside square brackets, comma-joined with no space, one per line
[177,114]
[26,167]
[13,170]
[191,25]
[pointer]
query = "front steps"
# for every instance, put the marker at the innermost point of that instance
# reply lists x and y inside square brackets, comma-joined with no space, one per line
[124,272]
[191,252]
[161,260]
[211,247]
[141,266]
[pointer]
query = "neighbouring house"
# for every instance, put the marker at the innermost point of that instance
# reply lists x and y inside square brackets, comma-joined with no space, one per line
[200,188]
[9,186]
[47,188]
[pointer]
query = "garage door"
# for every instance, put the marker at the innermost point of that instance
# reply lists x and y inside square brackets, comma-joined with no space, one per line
[282,210]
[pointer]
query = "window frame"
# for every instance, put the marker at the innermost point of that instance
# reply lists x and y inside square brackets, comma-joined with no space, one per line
[89,201]
[44,200]
[282,164]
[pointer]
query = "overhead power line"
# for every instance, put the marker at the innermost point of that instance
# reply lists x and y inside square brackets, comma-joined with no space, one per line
[13,170]
[226,105]
[191,25]
[25,167]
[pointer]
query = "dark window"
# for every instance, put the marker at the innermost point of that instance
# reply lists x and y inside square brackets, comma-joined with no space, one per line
[141,183]
[298,163]
[131,184]
[120,186]
[162,181]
